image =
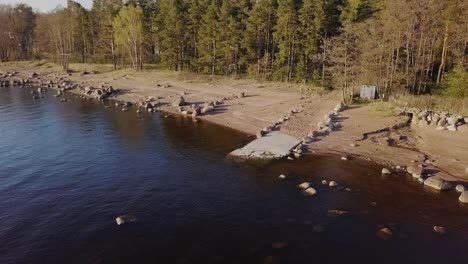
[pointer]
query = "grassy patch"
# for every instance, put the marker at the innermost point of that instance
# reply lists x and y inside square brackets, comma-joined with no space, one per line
[382,109]
[433,102]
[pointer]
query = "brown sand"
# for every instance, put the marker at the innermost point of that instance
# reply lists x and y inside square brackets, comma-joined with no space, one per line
[265,103]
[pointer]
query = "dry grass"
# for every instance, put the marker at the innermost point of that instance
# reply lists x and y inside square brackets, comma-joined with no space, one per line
[156,74]
[382,109]
[431,102]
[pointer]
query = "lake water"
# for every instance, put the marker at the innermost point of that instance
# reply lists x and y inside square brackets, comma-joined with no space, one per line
[67,170]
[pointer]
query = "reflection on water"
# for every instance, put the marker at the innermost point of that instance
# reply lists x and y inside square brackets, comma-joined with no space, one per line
[68,169]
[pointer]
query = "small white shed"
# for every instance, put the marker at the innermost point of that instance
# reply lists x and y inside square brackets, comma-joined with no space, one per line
[368,92]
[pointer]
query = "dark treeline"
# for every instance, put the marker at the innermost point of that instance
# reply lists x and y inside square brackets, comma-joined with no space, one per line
[398,45]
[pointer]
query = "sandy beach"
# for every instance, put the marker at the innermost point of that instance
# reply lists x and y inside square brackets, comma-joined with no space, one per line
[362,133]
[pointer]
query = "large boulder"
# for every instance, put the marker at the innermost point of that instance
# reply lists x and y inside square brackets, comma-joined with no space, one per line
[463,197]
[179,102]
[437,183]
[452,120]
[442,122]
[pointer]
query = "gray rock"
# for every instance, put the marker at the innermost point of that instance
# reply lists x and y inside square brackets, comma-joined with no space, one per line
[413,169]
[422,114]
[386,171]
[437,183]
[463,197]
[179,102]
[452,120]
[442,122]
[423,122]
[460,188]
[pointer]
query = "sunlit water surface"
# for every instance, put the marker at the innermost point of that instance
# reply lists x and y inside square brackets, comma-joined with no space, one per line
[67,170]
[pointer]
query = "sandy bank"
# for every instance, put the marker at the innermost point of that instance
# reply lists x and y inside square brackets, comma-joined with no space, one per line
[264,105]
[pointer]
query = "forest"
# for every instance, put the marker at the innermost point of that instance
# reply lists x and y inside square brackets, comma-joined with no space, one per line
[401,46]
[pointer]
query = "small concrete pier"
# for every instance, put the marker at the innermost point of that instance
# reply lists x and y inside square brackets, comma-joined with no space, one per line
[274,145]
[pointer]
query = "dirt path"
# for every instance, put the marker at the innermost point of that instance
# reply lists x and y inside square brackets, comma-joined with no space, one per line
[264,105]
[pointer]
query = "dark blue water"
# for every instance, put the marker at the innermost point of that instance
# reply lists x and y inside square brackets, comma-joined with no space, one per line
[67,170]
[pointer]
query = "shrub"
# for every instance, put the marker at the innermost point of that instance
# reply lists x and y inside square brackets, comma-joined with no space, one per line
[456,83]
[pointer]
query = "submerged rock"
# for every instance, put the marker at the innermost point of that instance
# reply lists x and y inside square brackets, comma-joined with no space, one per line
[385,233]
[437,183]
[336,212]
[439,230]
[125,219]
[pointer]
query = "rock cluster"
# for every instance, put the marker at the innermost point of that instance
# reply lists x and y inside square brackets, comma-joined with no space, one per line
[101,93]
[329,122]
[438,120]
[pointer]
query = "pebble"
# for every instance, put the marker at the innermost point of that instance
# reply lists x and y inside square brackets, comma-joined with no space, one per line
[324,182]
[333,184]
[344,158]
[282,176]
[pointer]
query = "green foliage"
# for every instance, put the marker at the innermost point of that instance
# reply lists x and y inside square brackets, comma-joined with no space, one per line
[129,34]
[456,83]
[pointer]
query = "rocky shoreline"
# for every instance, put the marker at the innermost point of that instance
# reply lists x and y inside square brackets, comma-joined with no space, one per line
[322,131]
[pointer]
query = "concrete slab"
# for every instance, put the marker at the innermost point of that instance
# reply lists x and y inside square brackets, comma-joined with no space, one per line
[274,145]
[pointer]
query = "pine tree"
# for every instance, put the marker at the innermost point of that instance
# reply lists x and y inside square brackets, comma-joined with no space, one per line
[209,39]
[258,38]
[171,27]
[311,18]
[287,37]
